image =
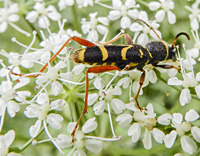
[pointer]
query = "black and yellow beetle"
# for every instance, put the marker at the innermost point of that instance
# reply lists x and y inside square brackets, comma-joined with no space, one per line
[108,57]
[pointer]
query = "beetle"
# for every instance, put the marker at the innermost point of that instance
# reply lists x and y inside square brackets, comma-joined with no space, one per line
[106,57]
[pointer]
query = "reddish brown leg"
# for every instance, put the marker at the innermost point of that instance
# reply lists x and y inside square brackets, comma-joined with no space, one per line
[138,92]
[126,36]
[96,69]
[75,38]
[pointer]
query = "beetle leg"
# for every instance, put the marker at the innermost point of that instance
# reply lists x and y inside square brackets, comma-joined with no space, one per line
[166,66]
[126,36]
[138,92]
[95,69]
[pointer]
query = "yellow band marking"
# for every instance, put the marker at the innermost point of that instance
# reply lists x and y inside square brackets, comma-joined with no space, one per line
[104,64]
[141,53]
[167,51]
[104,53]
[81,54]
[123,52]
[113,64]
[132,64]
[149,53]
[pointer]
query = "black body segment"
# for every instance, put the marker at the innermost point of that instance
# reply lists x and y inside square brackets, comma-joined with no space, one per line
[136,56]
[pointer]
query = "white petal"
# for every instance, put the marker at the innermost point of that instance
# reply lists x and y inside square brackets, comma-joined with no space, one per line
[152,76]
[95,146]
[117,105]
[102,29]
[12,108]
[194,24]
[22,82]
[174,81]
[89,126]
[99,83]
[13,18]
[116,90]
[32,16]
[164,119]
[130,3]
[54,120]
[64,141]
[103,20]
[42,98]
[71,126]
[124,119]
[55,16]
[78,69]
[114,15]
[93,36]
[79,153]
[56,88]
[34,129]
[92,98]
[133,13]
[188,145]
[136,27]
[58,104]
[158,135]
[170,139]
[99,107]
[160,15]
[171,17]
[191,115]
[117,4]
[135,131]
[197,89]
[9,137]
[3,26]
[196,133]
[154,6]
[185,97]
[177,118]
[125,22]
[43,22]
[143,39]
[147,139]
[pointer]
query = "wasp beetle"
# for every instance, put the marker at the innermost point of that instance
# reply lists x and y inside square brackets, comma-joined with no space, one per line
[106,57]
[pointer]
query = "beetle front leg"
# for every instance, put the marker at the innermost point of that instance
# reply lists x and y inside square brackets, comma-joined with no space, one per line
[96,69]
[138,92]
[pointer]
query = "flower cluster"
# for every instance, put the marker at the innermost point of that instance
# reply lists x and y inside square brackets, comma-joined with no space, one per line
[42,90]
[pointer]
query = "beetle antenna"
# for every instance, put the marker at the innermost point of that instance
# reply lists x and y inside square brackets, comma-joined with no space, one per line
[179,34]
[148,26]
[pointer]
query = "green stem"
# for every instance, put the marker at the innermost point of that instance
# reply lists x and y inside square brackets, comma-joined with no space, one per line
[76,18]
[142,2]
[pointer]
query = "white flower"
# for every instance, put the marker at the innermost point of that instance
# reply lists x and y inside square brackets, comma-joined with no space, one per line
[5,141]
[194,16]
[84,3]
[123,11]
[8,16]
[106,97]
[41,111]
[166,7]
[188,144]
[143,37]
[43,14]
[133,80]
[145,119]
[93,145]
[51,76]
[63,3]
[8,94]
[94,26]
